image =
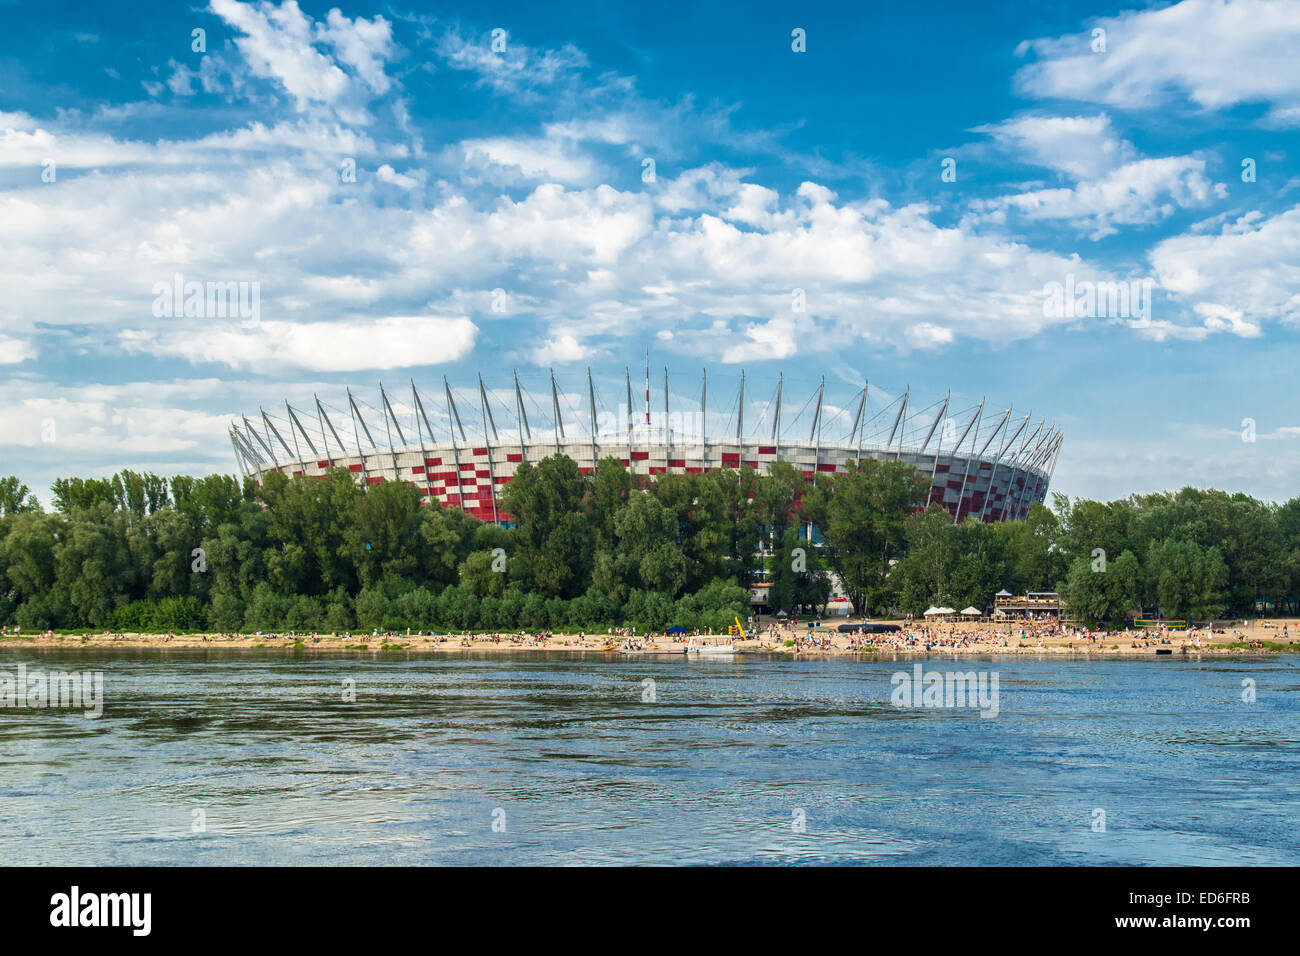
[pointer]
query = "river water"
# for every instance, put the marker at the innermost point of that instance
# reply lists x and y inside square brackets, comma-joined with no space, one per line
[260,757]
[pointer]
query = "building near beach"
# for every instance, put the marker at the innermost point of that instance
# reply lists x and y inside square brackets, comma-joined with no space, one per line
[1033,604]
[460,445]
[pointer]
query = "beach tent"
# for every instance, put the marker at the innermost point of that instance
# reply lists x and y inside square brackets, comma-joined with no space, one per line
[781,614]
[675,630]
[1003,593]
[971,613]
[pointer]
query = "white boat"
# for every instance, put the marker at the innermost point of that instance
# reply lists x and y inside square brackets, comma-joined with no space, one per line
[707,645]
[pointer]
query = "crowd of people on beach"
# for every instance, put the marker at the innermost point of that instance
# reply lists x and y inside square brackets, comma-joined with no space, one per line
[809,637]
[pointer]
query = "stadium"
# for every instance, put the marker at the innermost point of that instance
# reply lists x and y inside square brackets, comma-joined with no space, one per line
[460,446]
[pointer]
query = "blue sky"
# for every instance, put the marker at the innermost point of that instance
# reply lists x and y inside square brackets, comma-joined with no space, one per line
[1090,144]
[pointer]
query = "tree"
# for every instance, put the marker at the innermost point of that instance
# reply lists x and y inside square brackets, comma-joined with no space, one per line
[1186,581]
[15,498]
[923,575]
[1034,559]
[1106,596]
[798,578]
[30,558]
[478,575]
[554,535]
[777,499]
[863,514]
[386,541]
[647,555]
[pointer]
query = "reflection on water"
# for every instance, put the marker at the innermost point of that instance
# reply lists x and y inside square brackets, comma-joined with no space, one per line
[559,760]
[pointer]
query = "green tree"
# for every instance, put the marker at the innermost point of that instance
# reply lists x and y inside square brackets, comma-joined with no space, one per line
[15,497]
[1186,581]
[1107,596]
[863,515]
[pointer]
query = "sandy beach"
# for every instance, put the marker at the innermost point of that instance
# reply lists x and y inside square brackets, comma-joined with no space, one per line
[1244,637]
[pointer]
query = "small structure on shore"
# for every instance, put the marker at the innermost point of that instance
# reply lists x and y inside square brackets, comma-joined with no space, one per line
[970,614]
[1035,604]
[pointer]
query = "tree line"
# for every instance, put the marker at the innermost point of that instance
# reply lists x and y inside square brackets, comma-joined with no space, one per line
[139,552]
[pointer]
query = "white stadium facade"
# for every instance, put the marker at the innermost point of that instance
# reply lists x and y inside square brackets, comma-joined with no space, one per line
[460,446]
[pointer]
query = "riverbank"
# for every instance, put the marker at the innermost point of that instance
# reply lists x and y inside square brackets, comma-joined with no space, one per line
[960,638]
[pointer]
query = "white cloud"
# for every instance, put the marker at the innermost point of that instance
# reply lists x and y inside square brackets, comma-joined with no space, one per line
[1112,185]
[1083,147]
[548,160]
[387,174]
[1216,54]
[13,351]
[88,250]
[277,45]
[560,349]
[518,69]
[341,346]
[1247,274]
[306,58]
[364,45]
[1138,193]
[775,339]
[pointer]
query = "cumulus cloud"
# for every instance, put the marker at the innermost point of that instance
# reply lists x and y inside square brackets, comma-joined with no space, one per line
[1238,278]
[774,339]
[536,158]
[307,58]
[13,350]
[561,349]
[1212,53]
[1082,147]
[1111,185]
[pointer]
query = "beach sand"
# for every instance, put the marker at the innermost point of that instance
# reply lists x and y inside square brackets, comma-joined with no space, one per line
[957,638]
